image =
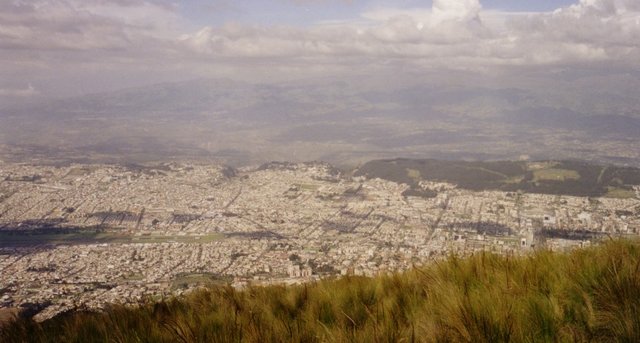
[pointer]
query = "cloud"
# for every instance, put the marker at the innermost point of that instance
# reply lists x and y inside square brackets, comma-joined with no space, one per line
[86,36]
[318,2]
[83,25]
[13,92]
[458,10]
[222,6]
[592,30]
[452,34]
[385,34]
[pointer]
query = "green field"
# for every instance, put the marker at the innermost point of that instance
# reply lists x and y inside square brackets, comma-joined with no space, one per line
[203,279]
[620,193]
[414,174]
[555,174]
[307,186]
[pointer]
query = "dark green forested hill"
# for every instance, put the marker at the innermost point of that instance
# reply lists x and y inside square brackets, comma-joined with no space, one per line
[590,295]
[548,177]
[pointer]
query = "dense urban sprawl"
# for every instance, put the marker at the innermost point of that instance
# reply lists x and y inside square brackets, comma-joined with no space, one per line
[84,236]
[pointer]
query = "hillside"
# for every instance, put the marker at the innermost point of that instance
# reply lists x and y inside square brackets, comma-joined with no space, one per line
[547,177]
[587,295]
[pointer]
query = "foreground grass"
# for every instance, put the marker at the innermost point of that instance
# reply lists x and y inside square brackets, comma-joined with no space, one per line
[590,295]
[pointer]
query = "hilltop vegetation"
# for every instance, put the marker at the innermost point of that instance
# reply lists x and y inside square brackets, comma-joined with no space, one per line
[548,177]
[587,295]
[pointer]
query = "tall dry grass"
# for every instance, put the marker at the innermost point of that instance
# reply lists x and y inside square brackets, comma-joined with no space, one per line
[590,295]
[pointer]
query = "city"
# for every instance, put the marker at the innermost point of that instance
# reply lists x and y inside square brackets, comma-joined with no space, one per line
[85,236]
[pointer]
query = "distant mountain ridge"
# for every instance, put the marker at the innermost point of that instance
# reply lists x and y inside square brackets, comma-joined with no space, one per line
[344,121]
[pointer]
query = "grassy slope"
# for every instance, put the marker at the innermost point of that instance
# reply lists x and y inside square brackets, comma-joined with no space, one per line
[587,295]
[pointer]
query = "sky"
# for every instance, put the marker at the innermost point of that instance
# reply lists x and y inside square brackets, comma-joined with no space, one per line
[305,12]
[59,48]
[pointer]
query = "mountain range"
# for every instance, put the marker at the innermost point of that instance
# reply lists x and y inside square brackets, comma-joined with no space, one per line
[340,121]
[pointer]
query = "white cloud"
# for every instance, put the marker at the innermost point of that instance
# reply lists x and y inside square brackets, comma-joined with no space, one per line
[456,10]
[83,24]
[602,30]
[451,34]
[19,92]
[447,28]
[133,35]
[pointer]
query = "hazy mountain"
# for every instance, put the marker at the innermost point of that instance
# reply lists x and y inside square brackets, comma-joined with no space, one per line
[336,120]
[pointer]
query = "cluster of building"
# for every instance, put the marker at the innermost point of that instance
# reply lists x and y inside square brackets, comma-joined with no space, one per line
[84,236]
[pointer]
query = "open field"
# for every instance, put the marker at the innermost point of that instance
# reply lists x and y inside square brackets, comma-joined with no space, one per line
[307,186]
[555,174]
[202,279]
[414,174]
[620,193]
